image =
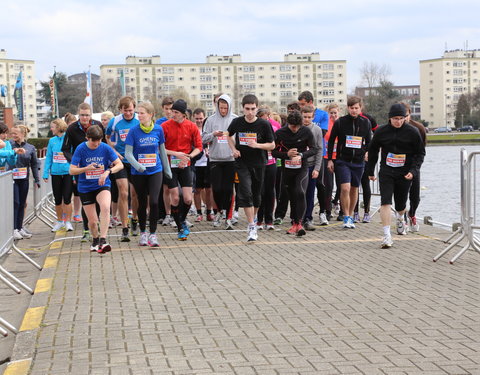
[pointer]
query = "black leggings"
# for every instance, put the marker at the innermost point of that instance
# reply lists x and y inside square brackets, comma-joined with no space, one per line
[265,212]
[148,185]
[62,186]
[324,189]
[414,195]
[296,181]
[367,192]
[221,179]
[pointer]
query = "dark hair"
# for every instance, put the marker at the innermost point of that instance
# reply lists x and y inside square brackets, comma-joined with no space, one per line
[352,100]
[293,106]
[167,101]
[125,102]
[198,111]
[189,113]
[307,96]
[308,109]
[294,118]
[94,133]
[3,128]
[249,99]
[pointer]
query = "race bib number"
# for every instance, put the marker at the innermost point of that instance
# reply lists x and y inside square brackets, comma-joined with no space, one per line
[174,162]
[244,138]
[353,142]
[293,164]
[95,174]
[396,160]
[59,158]
[222,139]
[19,173]
[147,160]
[123,134]
[270,157]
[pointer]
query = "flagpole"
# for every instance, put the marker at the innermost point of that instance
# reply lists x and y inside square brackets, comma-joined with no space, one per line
[23,100]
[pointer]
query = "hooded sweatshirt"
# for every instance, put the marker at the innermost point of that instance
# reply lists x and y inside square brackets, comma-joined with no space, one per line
[218,146]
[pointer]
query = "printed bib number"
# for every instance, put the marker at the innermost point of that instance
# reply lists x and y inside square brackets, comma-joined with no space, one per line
[244,138]
[396,160]
[174,162]
[222,139]
[293,164]
[123,134]
[95,174]
[353,142]
[147,160]
[270,157]
[19,173]
[59,158]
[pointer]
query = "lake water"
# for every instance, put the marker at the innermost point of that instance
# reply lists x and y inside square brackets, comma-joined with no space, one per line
[440,183]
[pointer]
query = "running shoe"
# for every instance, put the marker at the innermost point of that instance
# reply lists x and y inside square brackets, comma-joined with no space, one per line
[346,224]
[58,225]
[167,221]
[413,225]
[103,247]
[143,239]
[216,220]
[199,218]
[135,229]
[86,236]
[26,230]
[115,222]
[336,208]
[68,226]
[293,229]
[252,234]
[228,224]
[189,224]
[152,240]
[401,226]
[182,236]
[210,217]
[259,225]
[308,225]
[235,215]
[323,219]
[387,242]
[185,228]
[269,227]
[341,217]
[300,231]
[351,224]
[77,219]
[278,221]
[17,235]
[366,218]
[25,233]
[124,237]
[173,223]
[356,217]
[192,211]
[94,245]
[234,220]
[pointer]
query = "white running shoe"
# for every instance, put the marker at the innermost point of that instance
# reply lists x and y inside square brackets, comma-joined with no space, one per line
[413,225]
[143,239]
[269,227]
[25,233]
[401,226]
[167,221]
[17,235]
[58,225]
[387,242]
[323,219]
[152,240]
[216,221]
[252,234]
[68,226]
[228,224]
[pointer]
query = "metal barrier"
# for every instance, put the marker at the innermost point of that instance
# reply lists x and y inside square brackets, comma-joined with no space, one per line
[42,201]
[468,193]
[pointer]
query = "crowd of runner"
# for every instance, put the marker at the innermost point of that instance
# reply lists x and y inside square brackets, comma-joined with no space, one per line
[136,172]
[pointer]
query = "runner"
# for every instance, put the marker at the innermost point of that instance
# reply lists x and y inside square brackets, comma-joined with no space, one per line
[183,142]
[249,138]
[91,162]
[7,154]
[145,151]
[58,167]
[352,134]
[118,128]
[402,154]
[294,144]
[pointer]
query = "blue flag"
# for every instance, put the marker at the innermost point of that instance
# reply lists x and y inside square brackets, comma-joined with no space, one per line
[18,95]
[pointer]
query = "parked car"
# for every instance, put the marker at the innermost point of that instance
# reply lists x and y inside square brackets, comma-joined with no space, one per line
[467,128]
[443,130]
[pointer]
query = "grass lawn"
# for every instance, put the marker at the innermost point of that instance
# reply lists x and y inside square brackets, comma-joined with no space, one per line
[467,137]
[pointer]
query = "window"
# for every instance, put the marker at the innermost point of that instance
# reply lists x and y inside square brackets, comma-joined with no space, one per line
[205,69]
[285,85]
[192,69]
[249,77]
[285,68]
[204,78]
[250,68]
[285,76]
[327,66]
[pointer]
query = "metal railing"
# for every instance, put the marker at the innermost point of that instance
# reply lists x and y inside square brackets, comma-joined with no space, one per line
[467,229]
[42,210]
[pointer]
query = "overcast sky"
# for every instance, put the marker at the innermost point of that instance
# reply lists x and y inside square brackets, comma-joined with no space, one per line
[72,35]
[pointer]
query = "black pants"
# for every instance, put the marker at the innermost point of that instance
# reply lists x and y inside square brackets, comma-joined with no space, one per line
[148,186]
[296,181]
[282,195]
[414,195]
[62,186]
[250,185]
[20,193]
[325,189]
[221,179]
[265,212]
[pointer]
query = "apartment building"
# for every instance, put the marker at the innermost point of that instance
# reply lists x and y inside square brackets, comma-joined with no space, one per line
[9,70]
[274,83]
[443,81]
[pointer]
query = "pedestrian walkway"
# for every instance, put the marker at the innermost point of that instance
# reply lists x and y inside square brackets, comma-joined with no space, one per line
[331,302]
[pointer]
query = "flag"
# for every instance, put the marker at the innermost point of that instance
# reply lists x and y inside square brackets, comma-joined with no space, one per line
[53,95]
[18,95]
[122,82]
[88,98]
[3,91]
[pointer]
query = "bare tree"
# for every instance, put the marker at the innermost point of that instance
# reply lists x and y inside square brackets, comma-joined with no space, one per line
[108,95]
[374,74]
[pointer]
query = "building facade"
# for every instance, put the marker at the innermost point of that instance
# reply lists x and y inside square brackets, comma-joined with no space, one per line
[274,83]
[9,70]
[443,81]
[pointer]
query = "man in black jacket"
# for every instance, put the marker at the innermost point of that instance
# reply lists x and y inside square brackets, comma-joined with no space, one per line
[402,154]
[352,133]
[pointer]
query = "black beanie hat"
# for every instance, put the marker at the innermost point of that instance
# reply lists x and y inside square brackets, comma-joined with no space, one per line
[397,110]
[180,105]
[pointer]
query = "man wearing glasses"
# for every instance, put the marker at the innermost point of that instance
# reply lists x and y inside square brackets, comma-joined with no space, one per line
[75,135]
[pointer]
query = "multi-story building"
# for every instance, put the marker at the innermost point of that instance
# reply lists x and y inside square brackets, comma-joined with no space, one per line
[9,70]
[274,83]
[443,81]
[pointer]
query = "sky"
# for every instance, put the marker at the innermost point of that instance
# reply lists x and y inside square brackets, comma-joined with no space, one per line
[72,35]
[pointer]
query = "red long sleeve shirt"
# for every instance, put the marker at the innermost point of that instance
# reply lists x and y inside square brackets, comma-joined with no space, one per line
[181,137]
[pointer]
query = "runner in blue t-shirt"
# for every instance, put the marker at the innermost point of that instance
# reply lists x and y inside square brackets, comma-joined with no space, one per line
[94,161]
[145,150]
[118,129]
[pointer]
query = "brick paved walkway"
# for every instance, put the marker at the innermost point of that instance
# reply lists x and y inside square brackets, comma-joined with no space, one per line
[332,302]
